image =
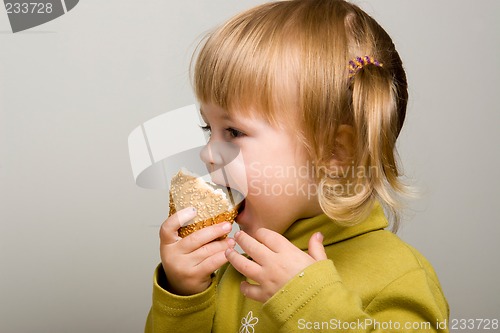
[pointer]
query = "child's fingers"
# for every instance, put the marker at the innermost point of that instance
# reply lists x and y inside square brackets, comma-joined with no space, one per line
[212,263]
[168,230]
[252,247]
[252,291]
[243,265]
[272,240]
[316,248]
[201,237]
[212,248]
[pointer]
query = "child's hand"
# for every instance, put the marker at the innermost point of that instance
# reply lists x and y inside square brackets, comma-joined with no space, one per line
[275,261]
[189,262]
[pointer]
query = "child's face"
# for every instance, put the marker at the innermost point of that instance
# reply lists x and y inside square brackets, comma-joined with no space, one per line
[274,169]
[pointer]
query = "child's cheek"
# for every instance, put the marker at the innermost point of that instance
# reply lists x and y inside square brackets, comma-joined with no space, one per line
[235,172]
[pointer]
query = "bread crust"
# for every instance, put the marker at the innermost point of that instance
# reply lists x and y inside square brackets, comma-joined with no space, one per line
[229,216]
[212,206]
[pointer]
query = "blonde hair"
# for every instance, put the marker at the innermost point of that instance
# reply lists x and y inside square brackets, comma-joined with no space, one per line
[290,60]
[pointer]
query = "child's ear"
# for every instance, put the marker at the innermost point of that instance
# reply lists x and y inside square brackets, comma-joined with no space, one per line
[345,142]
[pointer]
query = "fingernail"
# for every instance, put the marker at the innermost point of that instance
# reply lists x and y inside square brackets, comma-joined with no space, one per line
[231,242]
[226,226]
[319,236]
[237,234]
[228,251]
[188,211]
[186,215]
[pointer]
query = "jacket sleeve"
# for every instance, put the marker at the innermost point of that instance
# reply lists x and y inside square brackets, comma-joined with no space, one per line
[170,312]
[316,300]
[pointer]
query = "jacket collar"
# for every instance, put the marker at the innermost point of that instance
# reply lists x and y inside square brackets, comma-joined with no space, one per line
[300,232]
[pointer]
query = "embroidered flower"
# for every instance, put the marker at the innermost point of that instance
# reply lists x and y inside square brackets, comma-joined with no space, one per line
[248,322]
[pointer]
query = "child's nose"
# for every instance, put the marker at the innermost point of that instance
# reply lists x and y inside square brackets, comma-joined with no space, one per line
[211,154]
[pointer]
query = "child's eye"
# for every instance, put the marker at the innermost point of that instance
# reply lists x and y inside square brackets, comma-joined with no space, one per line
[234,133]
[205,128]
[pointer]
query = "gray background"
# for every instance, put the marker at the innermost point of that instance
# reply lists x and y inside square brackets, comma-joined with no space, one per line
[79,240]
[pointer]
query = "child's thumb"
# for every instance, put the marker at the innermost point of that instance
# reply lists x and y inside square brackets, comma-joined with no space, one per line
[316,248]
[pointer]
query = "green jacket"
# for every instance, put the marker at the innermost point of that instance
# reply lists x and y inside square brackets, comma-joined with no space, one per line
[372,282]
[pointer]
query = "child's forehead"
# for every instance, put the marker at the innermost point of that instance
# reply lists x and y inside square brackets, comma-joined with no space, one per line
[244,114]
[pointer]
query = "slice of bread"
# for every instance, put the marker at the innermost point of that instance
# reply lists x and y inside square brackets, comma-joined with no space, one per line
[214,204]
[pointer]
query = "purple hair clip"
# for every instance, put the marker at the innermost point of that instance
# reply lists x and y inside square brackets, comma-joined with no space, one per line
[359,62]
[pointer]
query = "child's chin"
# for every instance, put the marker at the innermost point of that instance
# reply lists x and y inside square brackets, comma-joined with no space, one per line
[248,230]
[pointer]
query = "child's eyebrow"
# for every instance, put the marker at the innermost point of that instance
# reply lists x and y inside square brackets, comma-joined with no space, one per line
[225,115]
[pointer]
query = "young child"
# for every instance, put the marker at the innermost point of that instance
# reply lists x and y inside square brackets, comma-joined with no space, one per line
[301,85]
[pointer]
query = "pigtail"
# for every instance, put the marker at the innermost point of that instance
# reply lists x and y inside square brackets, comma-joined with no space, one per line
[348,196]
[374,104]
[376,124]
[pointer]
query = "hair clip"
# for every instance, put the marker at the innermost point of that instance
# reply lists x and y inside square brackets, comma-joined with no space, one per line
[359,62]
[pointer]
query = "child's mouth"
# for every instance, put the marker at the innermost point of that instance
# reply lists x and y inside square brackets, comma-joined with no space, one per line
[235,197]
[241,207]
[241,212]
